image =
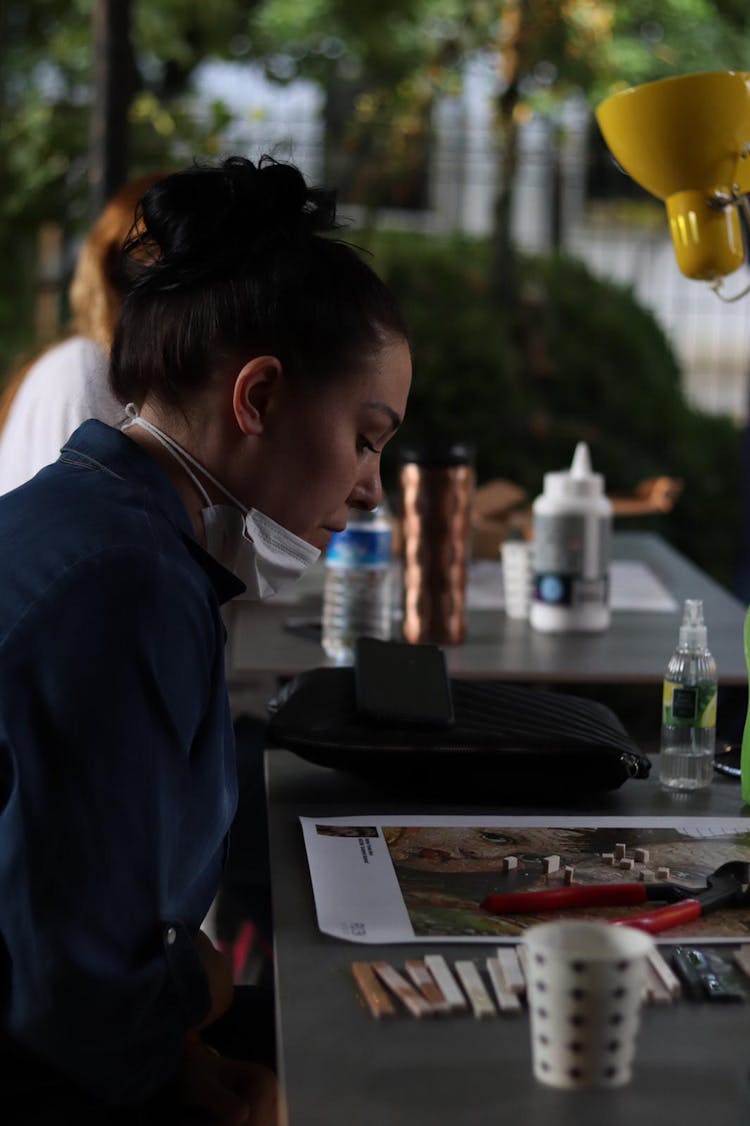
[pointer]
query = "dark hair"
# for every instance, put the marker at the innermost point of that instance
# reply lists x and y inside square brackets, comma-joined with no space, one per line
[229,261]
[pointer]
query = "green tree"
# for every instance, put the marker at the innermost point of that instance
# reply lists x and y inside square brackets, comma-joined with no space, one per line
[383,65]
[46,70]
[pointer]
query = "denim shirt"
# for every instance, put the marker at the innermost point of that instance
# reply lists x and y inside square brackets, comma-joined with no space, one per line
[117,765]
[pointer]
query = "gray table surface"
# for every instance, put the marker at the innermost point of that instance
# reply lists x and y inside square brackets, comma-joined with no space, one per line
[633,650]
[340,1067]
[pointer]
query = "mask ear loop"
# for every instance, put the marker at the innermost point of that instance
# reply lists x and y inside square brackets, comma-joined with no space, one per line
[169,444]
[263,526]
[182,455]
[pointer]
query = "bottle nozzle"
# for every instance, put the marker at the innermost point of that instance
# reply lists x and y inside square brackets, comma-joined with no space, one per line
[693,632]
[581,463]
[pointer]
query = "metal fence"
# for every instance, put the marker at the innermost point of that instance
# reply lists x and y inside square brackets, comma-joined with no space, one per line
[711,338]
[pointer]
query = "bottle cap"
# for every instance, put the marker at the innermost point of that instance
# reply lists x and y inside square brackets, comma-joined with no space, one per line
[578,482]
[693,632]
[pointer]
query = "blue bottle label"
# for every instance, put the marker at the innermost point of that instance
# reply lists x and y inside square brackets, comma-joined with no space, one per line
[359,547]
[570,590]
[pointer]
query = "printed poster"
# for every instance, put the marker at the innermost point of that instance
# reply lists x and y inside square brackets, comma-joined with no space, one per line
[381,879]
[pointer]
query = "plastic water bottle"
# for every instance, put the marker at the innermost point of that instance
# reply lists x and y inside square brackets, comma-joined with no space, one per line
[688,731]
[357,593]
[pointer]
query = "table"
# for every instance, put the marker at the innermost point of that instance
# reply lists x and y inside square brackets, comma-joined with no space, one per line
[339,1067]
[634,650]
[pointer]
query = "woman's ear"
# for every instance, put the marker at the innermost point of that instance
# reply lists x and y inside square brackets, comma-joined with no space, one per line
[254,388]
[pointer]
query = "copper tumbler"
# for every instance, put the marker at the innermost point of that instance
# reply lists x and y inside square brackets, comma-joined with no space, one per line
[437,486]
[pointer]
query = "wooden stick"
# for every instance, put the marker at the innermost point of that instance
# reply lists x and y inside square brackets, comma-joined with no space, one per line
[481,1002]
[511,970]
[375,997]
[507,999]
[447,984]
[666,975]
[427,986]
[400,987]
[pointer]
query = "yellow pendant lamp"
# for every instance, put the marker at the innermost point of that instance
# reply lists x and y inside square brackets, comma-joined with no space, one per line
[686,140]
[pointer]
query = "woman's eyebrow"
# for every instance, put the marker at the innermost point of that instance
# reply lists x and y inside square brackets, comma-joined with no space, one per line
[395,418]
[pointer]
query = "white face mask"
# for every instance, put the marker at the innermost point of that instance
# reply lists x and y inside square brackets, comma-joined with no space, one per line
[264,555]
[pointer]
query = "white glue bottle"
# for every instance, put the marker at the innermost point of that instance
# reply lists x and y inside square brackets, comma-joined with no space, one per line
[571,550]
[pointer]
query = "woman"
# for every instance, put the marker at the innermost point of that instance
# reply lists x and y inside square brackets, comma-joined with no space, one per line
[264,367]
[47,398]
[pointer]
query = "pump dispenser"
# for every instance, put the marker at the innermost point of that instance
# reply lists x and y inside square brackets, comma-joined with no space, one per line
[693,633]
[571,550]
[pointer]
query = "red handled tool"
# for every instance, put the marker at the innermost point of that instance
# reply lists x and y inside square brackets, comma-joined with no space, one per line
[726,887]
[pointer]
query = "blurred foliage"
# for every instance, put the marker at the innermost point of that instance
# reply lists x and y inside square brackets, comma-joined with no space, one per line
[561,356]
[46,75]
[575,358]
[382,63]
[554,47]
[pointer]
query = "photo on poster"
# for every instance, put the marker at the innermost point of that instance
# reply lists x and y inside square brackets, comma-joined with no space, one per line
[395,879]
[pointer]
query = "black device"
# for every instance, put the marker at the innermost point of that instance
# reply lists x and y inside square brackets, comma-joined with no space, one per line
[728,759]
[705,978]
[399,683]
[309,628]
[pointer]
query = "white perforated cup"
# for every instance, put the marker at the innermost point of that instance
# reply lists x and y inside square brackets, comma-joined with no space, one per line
[515,558]
[584,983]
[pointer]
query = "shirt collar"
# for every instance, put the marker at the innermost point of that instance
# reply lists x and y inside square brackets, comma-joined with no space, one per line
[113,452]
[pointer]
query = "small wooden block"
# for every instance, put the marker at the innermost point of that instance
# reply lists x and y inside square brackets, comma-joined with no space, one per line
[510,863]
[400,987]
[427,986]
[620,851]
[480,1000]
[446,982]
[522,954]
[608,857]
[551,864]
[568,874]
[641,855]
[375,997]
[510,968]
[654,991]
[646,875]
[507,999]
[662,873]
[626,862]
[661,969]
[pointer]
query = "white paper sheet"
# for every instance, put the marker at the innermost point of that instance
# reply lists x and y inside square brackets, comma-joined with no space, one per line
[382,879]
[633,586]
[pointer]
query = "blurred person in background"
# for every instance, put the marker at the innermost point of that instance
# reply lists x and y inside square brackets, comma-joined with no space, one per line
[48,397]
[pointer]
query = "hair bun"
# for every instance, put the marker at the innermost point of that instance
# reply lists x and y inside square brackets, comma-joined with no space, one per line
[192,222]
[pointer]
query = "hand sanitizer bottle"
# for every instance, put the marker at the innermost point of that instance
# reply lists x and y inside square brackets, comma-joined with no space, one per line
[688,729]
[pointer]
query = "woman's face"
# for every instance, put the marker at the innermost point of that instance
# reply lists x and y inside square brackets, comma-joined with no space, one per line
[321,450]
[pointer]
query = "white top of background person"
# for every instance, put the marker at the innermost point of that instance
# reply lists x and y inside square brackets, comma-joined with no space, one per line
[48,397]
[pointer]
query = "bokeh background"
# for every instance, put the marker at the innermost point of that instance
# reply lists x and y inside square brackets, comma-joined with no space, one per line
[544,301]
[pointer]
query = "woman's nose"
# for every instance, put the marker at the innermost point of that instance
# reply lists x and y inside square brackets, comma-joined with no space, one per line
[367,494]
